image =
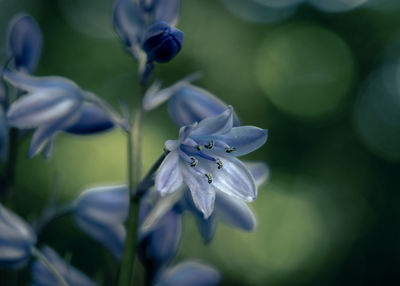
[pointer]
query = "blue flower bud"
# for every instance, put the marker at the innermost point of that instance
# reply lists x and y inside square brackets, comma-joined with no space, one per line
[42,276]
[162,42]
[16,240]
[24,42]
[101,213]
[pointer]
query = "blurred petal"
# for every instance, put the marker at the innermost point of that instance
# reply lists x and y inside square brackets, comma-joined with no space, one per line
[48,149]
[215,125]
[234,212]
[24,42]
[42,276]
[191,273]
[259,170]
[202,192]
[92,120]
[16,240]
[234,179]
[169,177]
[192,104]
[167,11]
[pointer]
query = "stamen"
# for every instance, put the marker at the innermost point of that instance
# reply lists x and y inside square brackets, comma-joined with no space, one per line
[230,149]
[209,178]
[210,144]
[219,163]
[194,162]
[198,147]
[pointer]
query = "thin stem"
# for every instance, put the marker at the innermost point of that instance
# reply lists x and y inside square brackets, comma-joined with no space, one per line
[38,254]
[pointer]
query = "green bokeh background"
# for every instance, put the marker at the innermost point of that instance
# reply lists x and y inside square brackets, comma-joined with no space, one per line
[329,213]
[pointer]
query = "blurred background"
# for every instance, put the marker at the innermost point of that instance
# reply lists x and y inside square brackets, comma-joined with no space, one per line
[322,75]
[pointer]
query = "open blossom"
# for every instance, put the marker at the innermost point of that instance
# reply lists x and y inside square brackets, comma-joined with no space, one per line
[204,159]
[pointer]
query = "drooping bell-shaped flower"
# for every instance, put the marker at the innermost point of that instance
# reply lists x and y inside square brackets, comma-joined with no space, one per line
[204,159]
[42,276]
[101,212]
[16,240]
[162,42]
[158,246]
[24,42]
[229,210]
[53,104]
[191,273]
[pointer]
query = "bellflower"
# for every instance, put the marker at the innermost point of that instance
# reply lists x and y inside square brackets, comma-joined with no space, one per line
[158,246]
[228,209]
[204,159]
[53,104]
[146,27]
[24,42]
[101,213]
[42,276]
[191,273]
[16,240]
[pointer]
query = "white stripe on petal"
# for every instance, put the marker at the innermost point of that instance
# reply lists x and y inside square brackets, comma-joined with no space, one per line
[169,177]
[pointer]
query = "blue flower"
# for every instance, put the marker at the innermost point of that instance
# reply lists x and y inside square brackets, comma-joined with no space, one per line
[228,209]
[24,42]
[203,158]
[16,240]
[191,273]
[162,43]
[42,276]
[101,213]
[54,104]
[147,30]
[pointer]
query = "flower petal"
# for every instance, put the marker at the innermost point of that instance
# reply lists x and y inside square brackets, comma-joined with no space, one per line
[24,42]
[167,11]
[191,104]
[234,179]
[219,124]
[191,273]
[259,170]
[203,193]
[169,177]
[234,212]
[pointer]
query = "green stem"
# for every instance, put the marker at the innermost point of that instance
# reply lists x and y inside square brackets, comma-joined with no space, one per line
[36,253]
[134,170]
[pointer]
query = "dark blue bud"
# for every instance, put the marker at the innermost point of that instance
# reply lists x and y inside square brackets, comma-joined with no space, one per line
[91,120]
[162,42]
[24,42]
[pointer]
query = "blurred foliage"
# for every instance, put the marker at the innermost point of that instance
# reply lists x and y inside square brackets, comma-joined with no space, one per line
[328,216]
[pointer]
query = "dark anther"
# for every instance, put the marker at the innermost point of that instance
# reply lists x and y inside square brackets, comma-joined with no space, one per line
[198,147]
[219,163]
[209,178]
[230,149]
[210,144]
[194,162]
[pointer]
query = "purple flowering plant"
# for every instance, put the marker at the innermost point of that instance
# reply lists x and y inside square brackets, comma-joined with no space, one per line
[199,173]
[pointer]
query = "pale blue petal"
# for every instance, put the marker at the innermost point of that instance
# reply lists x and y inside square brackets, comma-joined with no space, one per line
[234,212]
[259,170]
[192,104]
[42,276]
[191,273]
[167,11]
[92,120]
[234,179]
[169,177]
[24,42]
[203,193]
[219,124]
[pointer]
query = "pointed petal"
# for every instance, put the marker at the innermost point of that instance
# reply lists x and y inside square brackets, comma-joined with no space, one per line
[259,170]
[92,120]
[219,124]
[203,193]
[234,179]
[192,104]
[167,11]
[169,178]
[30,83]
[24,42]
[191,273]
[245,139]
[234,212]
